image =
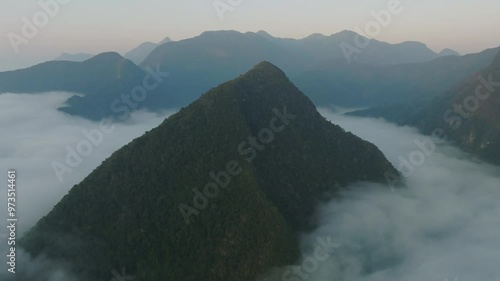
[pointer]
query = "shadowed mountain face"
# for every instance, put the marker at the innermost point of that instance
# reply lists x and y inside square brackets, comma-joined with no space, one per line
[468,114]
[216,192]
[353,85]
[103,81]
[448,52]
[382,73]
[138,54]
[310,51]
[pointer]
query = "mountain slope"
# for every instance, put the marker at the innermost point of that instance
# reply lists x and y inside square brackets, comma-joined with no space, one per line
[340,83]
[448,52]
[102,80]
[198,64]
[139,53]
[126,213]
[468,114]
[381,74]
[74,57]
[374,52]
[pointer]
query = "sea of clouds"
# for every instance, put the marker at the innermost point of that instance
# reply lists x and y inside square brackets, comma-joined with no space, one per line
[444,226]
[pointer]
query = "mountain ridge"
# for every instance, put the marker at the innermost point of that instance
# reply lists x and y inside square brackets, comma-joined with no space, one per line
[240,232]
[315,63]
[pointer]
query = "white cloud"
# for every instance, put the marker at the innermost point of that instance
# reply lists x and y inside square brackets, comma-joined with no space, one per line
[445,225]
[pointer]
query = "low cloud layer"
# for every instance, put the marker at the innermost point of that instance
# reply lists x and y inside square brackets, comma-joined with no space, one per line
[444,226]
[35,135]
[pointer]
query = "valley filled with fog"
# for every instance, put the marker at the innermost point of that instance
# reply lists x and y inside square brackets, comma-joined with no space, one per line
[444,225]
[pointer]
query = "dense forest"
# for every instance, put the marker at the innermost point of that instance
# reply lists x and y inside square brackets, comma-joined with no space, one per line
[466,115]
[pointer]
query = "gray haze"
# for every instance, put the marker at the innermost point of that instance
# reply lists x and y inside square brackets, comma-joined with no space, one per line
[445,226]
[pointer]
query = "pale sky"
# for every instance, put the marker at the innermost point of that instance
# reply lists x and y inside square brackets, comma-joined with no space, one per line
[94,26]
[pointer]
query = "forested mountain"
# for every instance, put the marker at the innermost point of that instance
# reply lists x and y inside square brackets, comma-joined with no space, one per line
[199,198]
[468,113]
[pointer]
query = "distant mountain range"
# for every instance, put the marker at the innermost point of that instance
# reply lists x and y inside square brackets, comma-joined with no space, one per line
[448,52]
[79,57]
[316,64]
[219,191]
[138,54]
[318,48]
[383,73]
[467,114]
[357,85]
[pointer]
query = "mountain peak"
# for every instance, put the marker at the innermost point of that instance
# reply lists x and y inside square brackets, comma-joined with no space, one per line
[346,33]
[266,196]
[109,57]
[416,44]
[79,57]
[263,79]
[448,52]
[315,36]
[220,33]
[264,34]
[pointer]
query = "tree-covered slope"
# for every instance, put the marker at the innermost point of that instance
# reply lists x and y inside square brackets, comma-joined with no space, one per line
[383,73]
[316,64]
[132,211]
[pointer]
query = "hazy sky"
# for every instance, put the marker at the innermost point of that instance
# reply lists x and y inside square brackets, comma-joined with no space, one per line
[95,26]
